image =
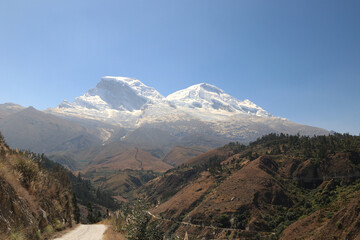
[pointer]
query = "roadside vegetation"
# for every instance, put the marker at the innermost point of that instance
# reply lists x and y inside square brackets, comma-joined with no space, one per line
[134,222]
[39,197]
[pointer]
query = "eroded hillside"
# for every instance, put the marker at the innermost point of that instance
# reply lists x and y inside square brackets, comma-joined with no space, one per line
[278,187]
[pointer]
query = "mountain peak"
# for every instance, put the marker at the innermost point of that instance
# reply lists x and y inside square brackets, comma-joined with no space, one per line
[124,80]
[112,84]
[117,93]
[211,98]
[209,88]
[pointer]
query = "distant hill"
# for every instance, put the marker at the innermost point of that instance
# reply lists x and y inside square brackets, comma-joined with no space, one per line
[121,183]
[7,109]
[42,132]
[179,155]
[113,156]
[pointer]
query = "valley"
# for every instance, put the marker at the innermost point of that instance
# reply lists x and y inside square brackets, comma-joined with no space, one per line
[201,162]
[171,120]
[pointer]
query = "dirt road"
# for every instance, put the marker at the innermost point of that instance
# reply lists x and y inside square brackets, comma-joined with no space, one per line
[85,232]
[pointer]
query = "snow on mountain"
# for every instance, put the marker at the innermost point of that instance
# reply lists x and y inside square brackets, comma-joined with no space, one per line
[118,93]
[117,100]
[127,110]
[207,97]
[129,103]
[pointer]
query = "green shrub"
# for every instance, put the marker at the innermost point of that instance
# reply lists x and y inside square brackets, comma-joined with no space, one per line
[222,221]
[339,225]
[48,229]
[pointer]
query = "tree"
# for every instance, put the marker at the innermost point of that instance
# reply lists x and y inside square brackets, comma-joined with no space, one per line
[76,209]
[139,225]
[223,221]
[98,217]
[90,216]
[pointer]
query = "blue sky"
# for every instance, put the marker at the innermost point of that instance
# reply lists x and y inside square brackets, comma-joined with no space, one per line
[296,59]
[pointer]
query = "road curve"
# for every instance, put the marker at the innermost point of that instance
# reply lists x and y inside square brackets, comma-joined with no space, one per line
[85,232]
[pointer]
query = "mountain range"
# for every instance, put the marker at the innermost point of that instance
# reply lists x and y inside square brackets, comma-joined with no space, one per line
[124,110]
[128,102]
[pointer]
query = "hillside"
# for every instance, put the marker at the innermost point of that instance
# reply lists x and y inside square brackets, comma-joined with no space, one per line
[179,155]
[38,196]
[281,186]
[33,201]
[113,156]
[121,183]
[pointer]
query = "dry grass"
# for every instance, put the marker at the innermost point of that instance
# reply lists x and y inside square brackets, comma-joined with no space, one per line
[3,237]
[27,189]
[61,233]
[186,197]
[12,177]
[179,155]
[110,233]
[133,158]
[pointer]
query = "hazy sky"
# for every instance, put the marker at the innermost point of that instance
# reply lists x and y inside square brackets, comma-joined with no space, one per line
[296,59]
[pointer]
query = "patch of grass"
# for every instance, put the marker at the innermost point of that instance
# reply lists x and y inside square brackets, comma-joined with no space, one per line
[111,234]
[48,229]
[58,225]
[17,235]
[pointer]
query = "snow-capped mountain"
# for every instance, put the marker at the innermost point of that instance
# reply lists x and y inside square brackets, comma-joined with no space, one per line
[126,101]
[199,109]
[116,100]
[118,93]
[207,97]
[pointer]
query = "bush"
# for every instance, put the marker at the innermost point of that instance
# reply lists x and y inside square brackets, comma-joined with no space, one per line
[339,225]
[28,170]
[222,221]
[48,229]
[241,218]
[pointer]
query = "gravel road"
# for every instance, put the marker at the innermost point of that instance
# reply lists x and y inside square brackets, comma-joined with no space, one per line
[85,232]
